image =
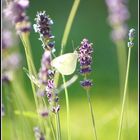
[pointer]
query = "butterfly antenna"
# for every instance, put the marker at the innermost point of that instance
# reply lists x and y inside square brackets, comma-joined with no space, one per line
[73,45]
[74,49]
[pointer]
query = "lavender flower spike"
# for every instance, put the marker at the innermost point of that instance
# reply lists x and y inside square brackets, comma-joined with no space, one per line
[46,78]
[85,60]
[15,12]
[85,52]
[131,37]
[45,66]
[43,27]
[43,23]
[118,14]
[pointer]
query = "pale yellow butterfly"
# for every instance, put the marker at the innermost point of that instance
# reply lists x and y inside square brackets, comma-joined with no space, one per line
[66,63]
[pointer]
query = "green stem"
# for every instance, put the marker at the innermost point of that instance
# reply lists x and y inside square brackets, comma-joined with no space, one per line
[58,126]
[121,53]
[30,55]
[124,95]
[67,106]
[69,24]
[19,105]
[92,115]
[29,66]
[57,131]
[67,31]
[52,128]
[63,43]
[9,112]
[25,41]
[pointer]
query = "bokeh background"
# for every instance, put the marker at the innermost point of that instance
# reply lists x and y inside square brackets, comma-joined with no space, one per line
[90,22]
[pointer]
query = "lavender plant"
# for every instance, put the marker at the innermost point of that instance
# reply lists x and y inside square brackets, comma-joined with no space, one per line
[10,59]
[12,89]
[85,60]
[46,73]
[118,15]
[16,13]
[130,45]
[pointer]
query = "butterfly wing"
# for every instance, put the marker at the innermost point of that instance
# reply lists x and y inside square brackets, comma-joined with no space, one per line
[65,64]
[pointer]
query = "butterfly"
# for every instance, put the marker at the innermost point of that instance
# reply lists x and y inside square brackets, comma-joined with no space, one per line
[66,63]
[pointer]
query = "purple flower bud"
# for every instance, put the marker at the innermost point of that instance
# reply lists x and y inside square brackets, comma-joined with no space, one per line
[85,70]
[44,113]
[86,83]
[130,44]
[56,99]
[55,109]
[51,73]
[131,34]
[50,84]
[51,44]
[49,95]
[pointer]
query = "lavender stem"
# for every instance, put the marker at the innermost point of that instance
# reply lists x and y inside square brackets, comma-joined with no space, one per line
[124,96]
[92,114]
[67,106]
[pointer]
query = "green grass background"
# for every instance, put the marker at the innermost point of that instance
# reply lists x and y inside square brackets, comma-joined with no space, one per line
[90,22]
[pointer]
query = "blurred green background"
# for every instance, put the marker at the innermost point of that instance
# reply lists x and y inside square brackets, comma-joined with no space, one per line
[91,22]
